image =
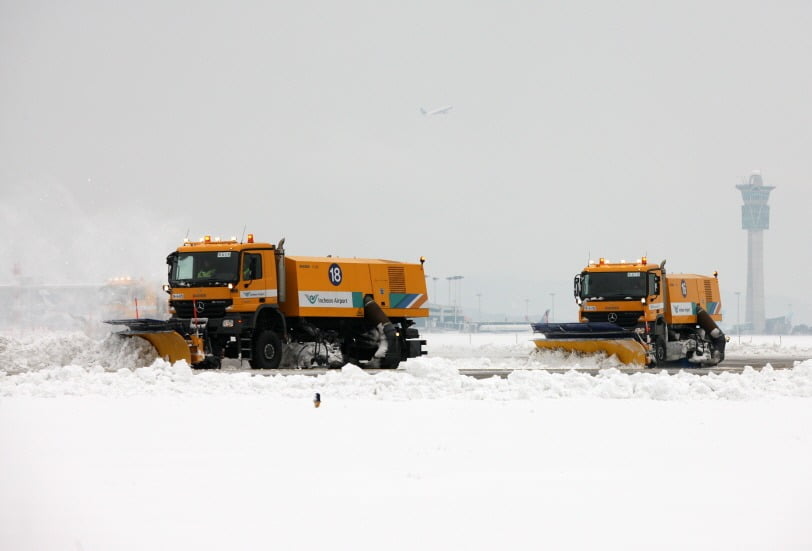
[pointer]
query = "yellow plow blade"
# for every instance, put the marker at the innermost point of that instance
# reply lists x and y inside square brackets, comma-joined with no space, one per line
[169,345]
[628,351]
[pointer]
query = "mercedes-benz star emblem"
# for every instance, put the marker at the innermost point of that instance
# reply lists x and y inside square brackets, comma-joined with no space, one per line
[201,306]
[612,317]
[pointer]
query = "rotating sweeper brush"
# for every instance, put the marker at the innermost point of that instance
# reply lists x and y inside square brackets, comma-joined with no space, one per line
[593,338]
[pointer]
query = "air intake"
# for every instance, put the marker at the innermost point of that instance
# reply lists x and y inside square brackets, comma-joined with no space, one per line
[397,279]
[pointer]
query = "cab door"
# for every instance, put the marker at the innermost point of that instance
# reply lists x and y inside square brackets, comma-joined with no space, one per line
[257,284]
[655,306]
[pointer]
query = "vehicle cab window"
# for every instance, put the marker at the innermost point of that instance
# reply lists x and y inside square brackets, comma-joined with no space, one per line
[653,284]
[252,266]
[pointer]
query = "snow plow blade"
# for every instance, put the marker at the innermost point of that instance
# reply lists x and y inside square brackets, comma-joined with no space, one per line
[593,338]
[168,343]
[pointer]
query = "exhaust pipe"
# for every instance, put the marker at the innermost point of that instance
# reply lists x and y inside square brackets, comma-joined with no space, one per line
[281,283]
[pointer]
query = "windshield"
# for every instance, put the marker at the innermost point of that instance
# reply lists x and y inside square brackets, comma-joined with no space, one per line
[613,286]
[203,269]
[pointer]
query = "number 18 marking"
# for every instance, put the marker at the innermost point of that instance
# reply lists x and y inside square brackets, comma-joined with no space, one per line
[335,274]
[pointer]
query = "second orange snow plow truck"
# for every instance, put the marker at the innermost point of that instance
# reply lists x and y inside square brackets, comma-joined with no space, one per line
[229,299]
[637,312]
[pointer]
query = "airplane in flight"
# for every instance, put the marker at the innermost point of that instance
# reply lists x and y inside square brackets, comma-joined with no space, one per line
[440,111]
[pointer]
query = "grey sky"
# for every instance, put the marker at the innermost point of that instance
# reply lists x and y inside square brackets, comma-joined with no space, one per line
[606,128]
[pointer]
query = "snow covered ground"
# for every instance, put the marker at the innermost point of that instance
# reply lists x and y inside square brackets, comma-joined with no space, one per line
[104,447]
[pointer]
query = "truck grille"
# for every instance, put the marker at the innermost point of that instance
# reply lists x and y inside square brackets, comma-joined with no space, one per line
[624,319]
[205,308]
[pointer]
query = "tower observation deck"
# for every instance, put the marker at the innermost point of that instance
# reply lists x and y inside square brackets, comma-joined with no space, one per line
[755,219]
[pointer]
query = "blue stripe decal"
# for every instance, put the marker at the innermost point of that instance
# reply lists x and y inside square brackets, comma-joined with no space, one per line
[405,300]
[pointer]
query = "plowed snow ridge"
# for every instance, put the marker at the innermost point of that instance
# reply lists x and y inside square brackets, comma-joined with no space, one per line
[58,364]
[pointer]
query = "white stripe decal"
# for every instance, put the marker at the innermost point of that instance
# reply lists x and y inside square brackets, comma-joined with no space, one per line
[258,293]
[325,299]
[415,299]
[682,308]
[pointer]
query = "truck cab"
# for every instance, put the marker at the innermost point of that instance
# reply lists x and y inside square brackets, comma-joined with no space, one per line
[628,294]
[209,279]
[253,302]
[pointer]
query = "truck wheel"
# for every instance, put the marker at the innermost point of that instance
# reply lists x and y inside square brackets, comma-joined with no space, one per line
[209,362]
[659,352]
[267,351]
[390,365]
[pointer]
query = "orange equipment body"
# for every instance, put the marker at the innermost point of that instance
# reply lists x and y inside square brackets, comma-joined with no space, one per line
[249,300]
[642,314]
[677,302]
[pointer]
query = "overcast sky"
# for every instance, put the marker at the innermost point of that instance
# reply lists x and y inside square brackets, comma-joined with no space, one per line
[578,129]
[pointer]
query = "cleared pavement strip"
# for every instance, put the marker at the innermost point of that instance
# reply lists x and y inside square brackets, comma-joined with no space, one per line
[731,365]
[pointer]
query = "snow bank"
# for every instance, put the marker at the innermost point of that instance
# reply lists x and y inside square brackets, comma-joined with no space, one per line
[521,342]
[791,346]
[158,456]
[33,352]
[426,378]
[74,365]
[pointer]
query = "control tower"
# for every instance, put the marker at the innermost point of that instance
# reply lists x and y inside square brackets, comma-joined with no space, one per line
[755,219]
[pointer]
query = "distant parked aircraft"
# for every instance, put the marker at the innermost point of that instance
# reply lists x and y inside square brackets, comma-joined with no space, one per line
[440,111]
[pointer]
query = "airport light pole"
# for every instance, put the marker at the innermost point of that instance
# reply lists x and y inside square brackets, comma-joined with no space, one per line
[479,306]
[459,291]
[738,319]
[456,297]
[428,304]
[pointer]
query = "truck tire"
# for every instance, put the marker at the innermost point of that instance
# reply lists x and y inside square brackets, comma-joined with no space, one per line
[267,351]
[659,352]
[389,365]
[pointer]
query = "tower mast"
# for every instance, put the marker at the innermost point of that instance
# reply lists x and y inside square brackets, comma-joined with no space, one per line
[755,219]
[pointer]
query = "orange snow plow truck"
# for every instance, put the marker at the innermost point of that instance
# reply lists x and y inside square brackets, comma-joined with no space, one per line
[637,312]
[229,299]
